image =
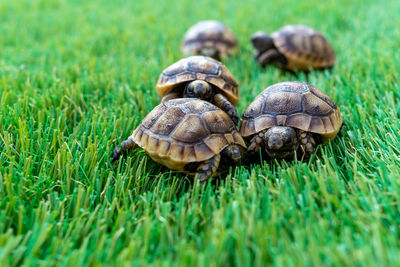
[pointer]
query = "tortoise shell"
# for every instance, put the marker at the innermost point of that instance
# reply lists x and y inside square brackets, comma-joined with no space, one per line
[185,130]
[295,104]
[209,34]
[199,68]
[304,48]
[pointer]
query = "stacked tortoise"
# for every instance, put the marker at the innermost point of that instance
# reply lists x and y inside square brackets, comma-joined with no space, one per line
[294,47]
[209,38]
[288,118]
[201,77]
[188,135]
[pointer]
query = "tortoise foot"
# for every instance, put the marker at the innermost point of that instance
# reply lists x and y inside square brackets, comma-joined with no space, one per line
[208,168]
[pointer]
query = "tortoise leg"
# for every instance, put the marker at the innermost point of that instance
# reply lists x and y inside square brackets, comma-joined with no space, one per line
[307,144]
[170,95]
[270,56]
[256,142]
[208,168]
[125,146]
[223,103]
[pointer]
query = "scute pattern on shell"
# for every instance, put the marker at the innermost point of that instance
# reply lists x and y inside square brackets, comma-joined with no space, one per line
[185,130]
[294,104]
[199,68]
[304,47]
[208,34]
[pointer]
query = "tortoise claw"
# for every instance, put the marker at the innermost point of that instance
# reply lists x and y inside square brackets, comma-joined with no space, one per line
[232,112]
[235,119]
[207,168]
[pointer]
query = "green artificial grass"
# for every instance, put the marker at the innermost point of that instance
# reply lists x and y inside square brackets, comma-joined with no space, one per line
[76,78]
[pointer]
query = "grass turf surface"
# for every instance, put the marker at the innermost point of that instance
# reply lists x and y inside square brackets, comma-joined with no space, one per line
[76,77]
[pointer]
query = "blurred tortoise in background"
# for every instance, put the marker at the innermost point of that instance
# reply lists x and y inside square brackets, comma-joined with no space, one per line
[209,38]
[188,135]
[290,117]
[201,77]
[294,47]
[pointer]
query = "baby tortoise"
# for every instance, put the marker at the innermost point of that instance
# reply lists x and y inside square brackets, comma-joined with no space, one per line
[188,135]
[209,38]
[290,117]
[201,77]
[294,47]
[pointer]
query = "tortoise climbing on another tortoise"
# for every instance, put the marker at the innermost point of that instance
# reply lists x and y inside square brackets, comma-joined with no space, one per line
[188,135]
[294,47]
[209,38]
[201,77]
[290,117]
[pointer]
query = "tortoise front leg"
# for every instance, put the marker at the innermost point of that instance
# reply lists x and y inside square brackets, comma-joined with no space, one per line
[207,168]
[307,144]
[223,103]
[170,95]
[256,142]
[270,56]
[125,146]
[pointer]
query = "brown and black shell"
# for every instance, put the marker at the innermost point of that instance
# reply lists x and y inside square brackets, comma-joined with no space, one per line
[295,104]
[304,48]
[209,34]
[199,68]
[185,130]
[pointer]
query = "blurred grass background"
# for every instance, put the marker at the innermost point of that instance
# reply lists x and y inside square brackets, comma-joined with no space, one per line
[76,77]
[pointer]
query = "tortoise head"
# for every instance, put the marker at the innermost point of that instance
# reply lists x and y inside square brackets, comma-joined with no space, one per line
[231,155]
[280,142]
[262,41]
[210,52]
[199,89]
